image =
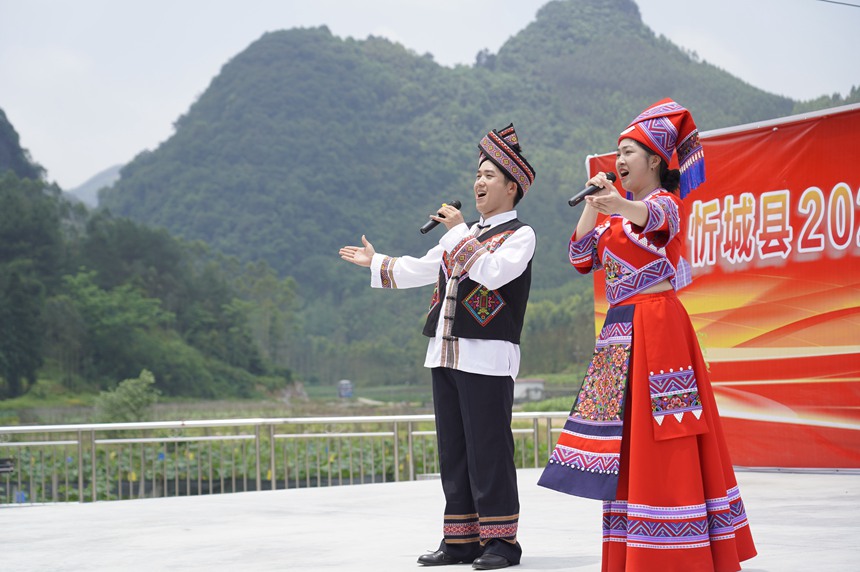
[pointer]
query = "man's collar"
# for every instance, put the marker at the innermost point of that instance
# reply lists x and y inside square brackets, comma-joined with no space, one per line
[498,219]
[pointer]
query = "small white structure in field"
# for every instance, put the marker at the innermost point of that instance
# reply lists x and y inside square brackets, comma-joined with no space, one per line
[528,390]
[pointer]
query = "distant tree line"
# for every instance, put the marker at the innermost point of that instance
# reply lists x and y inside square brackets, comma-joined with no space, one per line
[90,299]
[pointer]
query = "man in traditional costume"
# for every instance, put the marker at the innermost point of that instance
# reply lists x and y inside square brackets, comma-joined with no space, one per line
[644,433]
[482,273]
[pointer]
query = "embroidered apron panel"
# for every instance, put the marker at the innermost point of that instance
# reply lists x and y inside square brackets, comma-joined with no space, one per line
[587,456]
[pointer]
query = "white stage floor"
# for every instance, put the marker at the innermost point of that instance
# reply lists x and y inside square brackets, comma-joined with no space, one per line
[800,521]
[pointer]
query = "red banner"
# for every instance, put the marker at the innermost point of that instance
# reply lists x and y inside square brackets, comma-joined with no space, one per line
[773,237]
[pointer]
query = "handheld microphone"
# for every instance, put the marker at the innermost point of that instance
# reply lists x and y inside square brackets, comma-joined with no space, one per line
[591,189]
[431,224]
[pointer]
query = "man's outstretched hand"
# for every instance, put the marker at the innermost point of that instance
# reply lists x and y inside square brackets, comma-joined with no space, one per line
[360,255]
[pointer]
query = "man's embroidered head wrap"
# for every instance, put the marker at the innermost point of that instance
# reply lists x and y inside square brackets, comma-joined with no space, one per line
[503,148]
[664,128]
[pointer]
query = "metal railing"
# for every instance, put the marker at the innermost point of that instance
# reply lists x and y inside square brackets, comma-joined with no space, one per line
[90,462]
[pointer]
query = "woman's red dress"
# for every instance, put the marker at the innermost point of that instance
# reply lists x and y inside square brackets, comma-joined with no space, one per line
[644,434]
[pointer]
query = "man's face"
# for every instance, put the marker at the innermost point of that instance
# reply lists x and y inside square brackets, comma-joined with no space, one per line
[493,194]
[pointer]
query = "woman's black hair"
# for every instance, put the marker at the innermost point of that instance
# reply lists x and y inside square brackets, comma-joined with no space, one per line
[670,179]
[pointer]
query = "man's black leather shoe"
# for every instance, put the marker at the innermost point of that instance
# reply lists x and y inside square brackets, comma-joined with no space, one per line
[438,558]
[490,562]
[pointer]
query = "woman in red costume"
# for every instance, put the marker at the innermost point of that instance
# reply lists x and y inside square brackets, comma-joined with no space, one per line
[644,433]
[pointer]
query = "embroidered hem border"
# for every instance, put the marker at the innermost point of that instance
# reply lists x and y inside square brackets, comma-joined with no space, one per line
[674,527]
[465,528]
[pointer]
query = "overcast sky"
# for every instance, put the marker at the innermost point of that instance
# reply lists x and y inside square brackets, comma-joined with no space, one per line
[90,83]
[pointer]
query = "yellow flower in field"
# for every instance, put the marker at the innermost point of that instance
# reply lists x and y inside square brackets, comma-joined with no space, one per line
[189,455]
[132,477]
[112,455]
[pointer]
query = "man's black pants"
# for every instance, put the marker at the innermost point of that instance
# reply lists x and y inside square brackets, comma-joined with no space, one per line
[476,453]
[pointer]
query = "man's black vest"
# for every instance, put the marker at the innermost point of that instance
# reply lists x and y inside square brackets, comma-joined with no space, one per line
[481,313]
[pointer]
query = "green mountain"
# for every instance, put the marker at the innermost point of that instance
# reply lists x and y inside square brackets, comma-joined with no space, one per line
[304,141]
[87,192]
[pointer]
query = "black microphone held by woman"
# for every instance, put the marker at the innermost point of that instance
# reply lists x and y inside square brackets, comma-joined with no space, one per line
[591,189]
[431,224]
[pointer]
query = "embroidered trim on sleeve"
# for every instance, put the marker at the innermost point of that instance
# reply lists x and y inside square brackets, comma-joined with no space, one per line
[662,214]
[584,250]
[386,272]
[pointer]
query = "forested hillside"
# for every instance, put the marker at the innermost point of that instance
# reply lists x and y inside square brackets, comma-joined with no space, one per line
[13,158]
[305,141]
[88,300]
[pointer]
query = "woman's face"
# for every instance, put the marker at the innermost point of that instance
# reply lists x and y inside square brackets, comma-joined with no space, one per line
[638,170]
[493,194]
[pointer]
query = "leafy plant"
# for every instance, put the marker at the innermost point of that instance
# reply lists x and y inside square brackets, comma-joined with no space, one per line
[130,401]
